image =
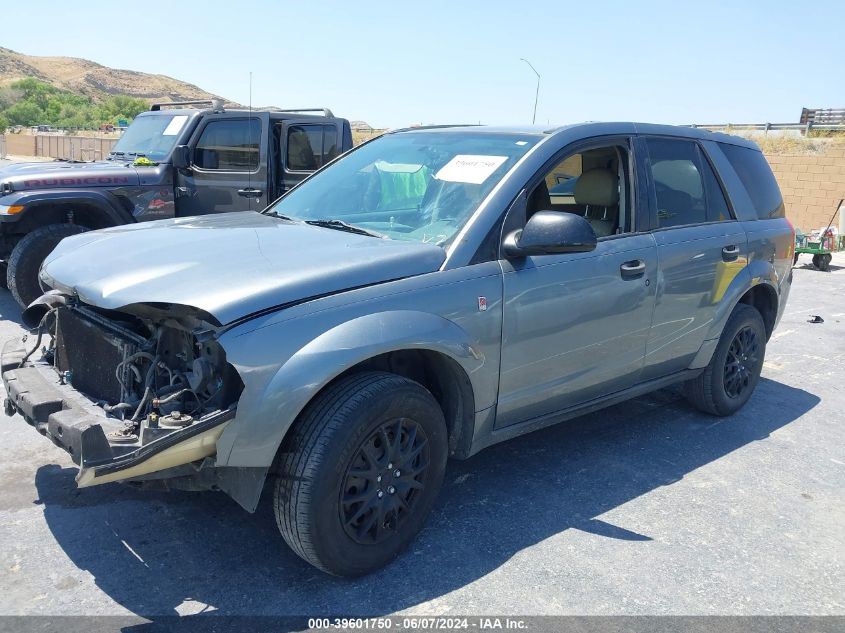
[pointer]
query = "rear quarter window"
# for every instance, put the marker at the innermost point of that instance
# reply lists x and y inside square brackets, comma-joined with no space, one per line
[757,178]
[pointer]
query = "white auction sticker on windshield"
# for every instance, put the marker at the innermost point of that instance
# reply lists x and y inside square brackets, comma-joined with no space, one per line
[175,126]
[470,168]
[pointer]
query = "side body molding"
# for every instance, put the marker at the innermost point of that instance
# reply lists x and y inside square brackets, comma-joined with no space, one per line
[265,414]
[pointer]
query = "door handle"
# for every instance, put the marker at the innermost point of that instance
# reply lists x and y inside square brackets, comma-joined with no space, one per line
[250,193]
[632,269]
[730,253]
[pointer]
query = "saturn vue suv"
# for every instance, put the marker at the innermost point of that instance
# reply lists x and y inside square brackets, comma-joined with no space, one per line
[423,296]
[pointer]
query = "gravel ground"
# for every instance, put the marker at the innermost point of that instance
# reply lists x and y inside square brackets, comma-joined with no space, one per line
[645,508]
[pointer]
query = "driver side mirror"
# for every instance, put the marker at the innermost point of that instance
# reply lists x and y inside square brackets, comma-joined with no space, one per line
[551,232]
[181,158]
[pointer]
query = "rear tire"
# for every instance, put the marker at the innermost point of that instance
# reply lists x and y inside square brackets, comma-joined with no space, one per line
[359,472]
[28,255]
[822,262]
[732,374]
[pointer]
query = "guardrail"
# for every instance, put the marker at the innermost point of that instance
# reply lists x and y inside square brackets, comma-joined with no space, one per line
[800,127]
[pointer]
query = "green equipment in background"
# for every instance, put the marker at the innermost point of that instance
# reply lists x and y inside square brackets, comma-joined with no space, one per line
[821,248]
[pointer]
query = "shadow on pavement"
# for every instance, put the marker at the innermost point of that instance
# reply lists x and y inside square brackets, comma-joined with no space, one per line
[809,266]
[158,554]
[9,308]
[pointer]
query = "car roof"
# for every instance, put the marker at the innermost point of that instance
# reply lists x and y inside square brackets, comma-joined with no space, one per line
[588,129]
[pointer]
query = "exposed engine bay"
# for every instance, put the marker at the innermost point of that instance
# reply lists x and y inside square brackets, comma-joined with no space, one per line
[154,369]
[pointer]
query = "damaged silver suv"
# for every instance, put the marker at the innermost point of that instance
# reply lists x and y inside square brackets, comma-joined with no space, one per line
[426,295]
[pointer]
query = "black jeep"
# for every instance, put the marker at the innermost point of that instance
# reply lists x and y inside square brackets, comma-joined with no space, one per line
[175,160]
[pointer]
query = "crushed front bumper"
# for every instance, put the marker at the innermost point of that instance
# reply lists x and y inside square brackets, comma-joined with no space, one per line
[81,428]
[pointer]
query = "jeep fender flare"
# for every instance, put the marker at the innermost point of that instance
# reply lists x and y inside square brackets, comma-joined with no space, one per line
[754,273]
[105,202]
[264,418]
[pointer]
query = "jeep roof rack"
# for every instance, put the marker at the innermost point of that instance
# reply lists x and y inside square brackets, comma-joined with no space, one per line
[216,104]
[324,111]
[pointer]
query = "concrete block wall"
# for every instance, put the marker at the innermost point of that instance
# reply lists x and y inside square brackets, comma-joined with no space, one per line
[811,184]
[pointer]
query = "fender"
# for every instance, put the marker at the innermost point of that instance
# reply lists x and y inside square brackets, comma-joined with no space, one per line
[263,420]
[752,274]
[105,201]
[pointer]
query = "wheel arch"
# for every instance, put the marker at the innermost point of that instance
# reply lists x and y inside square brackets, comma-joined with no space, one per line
[94,210]
[425,347]
[758,291]
[764,298]
[443,377]
[755,284]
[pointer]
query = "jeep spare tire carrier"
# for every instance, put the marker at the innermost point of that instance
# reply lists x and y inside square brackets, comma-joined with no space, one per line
[28,255]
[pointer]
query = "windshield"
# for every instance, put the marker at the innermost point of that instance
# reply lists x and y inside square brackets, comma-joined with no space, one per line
[421,186]
[151,136]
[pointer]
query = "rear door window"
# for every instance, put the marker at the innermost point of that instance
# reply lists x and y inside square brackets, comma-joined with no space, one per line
[757,178]
[678,184]
[309,147]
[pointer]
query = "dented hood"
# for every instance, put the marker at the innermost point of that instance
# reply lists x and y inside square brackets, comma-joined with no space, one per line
[230,265]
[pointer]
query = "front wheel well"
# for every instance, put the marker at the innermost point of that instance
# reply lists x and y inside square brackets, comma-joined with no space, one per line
[444,378]
[45,213]
[764,298]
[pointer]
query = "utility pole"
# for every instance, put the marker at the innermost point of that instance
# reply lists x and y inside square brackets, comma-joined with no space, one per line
[537,92]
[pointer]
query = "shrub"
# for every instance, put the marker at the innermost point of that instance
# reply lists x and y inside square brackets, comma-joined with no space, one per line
[31,102]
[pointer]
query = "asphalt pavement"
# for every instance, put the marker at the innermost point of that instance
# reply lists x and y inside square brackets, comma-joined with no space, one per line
[648,507]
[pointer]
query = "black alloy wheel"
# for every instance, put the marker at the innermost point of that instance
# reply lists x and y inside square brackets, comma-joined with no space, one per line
[359,472]
[741,362]
[734,369]
[384,480]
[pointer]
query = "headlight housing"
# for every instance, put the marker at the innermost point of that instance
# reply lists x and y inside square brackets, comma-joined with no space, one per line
[10,209]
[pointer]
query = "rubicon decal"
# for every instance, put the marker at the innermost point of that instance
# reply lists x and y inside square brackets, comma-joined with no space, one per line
[69,182]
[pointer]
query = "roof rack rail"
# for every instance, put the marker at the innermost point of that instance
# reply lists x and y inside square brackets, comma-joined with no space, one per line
[216,104]
[324,111]
[438,126]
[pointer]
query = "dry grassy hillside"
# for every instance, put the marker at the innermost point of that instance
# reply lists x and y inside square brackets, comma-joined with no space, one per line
[93,80]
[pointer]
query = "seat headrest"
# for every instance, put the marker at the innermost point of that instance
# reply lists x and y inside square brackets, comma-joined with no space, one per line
[597,187]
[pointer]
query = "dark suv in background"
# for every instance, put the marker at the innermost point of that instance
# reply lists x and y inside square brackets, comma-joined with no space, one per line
[176,160]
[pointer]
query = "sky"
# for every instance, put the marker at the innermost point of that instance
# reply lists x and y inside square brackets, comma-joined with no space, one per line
[394,64]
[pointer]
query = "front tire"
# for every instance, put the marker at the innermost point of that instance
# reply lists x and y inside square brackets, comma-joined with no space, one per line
[732,374]
[359,472]
[28,255]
